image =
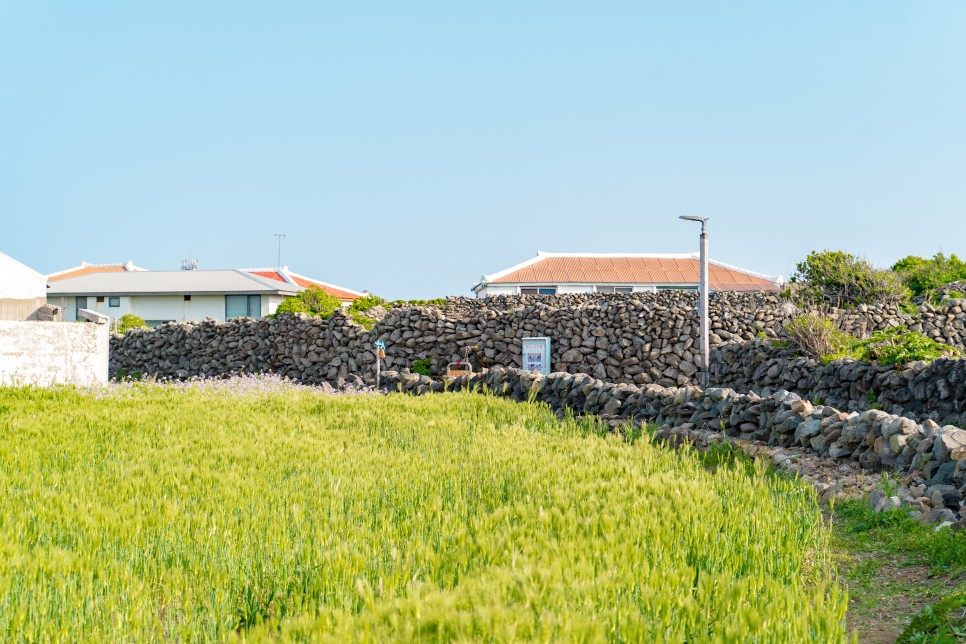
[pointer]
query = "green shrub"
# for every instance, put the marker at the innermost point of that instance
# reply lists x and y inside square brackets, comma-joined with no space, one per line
[360,318]
[926,276]
[313,301]
[898,346]
[359,307]
[367,302]
[944,621]
[130,321]
[422,367]
[843,280]
[816,336]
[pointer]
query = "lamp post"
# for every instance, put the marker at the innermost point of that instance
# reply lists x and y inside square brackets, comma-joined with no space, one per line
[703,300]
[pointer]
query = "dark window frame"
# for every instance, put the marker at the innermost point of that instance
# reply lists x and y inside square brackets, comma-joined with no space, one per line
[538,290]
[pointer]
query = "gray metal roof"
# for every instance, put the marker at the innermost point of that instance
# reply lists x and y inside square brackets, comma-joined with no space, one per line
[215,282]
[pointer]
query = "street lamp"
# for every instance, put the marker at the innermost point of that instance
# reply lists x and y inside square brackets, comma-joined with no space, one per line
[703,299]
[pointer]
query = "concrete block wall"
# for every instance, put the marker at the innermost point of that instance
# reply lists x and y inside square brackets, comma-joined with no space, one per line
[53,353]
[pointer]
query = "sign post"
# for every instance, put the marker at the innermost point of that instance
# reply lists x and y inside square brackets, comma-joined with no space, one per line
[380,354]
[536,355]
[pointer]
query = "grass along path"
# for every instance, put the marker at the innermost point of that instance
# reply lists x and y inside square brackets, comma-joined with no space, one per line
[197,513]
[897,570]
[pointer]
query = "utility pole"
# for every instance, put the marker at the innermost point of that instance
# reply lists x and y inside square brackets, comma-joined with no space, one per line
[703,301]
[280,236]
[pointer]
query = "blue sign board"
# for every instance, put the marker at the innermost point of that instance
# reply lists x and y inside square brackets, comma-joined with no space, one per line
[536,355]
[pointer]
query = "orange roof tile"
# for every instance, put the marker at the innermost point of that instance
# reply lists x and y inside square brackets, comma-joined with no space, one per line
[552,269]
[306,282]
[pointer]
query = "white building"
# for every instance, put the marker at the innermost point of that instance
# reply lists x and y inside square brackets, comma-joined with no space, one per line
[175,296]
[22,290]
[558,273]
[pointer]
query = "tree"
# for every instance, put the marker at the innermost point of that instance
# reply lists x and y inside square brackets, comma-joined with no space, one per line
[927,276]
[840,279]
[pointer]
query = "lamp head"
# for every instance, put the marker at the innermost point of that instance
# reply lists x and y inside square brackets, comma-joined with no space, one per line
[690,218]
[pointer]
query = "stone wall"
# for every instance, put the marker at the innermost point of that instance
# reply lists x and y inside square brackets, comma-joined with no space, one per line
[638,338]
[935,390]
[641,338]
[50,353]
[873,438]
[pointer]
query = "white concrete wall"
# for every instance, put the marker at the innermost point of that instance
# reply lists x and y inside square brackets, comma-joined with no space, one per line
[514,289]
[270,303]
[53,353]
[174,307]
[497,289]
[574,288]
[161,307]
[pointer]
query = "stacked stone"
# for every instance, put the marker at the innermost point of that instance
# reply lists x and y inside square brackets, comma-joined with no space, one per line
[639,338]
[934,391]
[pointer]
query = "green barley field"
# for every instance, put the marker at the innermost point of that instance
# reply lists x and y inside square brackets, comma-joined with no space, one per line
[253,509]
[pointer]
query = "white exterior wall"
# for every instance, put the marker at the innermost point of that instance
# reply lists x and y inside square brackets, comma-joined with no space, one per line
[572,288]
[174,307]
[270,303]
[498,289]
[161,307]
[514,289]
[53,353]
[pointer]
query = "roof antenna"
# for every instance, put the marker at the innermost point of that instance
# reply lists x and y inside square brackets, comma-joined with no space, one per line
[280,236]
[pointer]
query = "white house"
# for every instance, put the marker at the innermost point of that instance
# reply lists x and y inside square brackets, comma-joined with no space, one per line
[166,296]
[558,273]
[22,290]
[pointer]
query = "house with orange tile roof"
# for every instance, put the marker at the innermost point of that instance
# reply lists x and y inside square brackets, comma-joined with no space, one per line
[180,295]
[559,273]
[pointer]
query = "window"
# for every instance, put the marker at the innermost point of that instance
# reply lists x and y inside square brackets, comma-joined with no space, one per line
[114,302]
[243,306]
[538,290]
[80,303]
[187,298]
[615,289]
[100,299]
[677,288]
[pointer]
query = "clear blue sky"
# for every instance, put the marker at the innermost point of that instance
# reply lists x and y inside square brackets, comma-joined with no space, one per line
[409,147]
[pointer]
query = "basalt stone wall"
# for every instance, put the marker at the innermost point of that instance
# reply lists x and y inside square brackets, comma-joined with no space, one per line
[875,439]
[935,390]
[636,338]
[639,338]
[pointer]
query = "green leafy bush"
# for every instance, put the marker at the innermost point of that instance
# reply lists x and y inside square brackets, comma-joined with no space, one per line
[130,321]
[366,302]
[422,367]
[926,276]
[944,621]
[843,280]
[898,346]
[313,301]
[818,337]
[359,307]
